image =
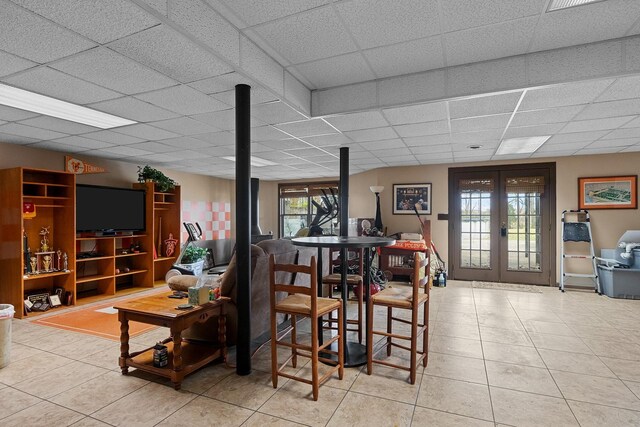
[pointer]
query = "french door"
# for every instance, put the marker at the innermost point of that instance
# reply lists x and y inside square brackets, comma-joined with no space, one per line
[502,223]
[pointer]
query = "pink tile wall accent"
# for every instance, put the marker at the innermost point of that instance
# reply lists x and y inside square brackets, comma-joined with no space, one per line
[214,218]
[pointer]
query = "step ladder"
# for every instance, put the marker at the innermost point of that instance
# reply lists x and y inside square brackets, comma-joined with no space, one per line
[579,231]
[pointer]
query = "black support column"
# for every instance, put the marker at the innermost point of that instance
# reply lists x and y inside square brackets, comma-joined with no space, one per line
[344,191]
[243,228]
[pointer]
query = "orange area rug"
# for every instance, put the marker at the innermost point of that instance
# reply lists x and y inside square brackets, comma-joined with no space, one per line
[100,320]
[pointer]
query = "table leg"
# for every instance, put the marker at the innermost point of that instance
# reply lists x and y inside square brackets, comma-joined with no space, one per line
[344,265]
[367,287]
[222,332]
[176,336]
[124,342]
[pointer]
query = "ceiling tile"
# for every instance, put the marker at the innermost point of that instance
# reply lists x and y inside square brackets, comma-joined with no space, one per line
[312,127]
[335,139]
[84,143]
[158,157]
[623,133]
[417,113]
[10,64]
[336,71]
[16,139]
[585,24]
[428,140]
[168,52]
[133,109]
[30,131]
[631,149]
[267,133]
[564,138]
[11,114]
[183,100]
[592,151]
[50,82]
[419,129]
[355,121]
[225,119]
[258,95]
[554,154]
[184,126]
[185,142]
[310,35]
[217,138]
[406,57]
[103,154]
[599,110]
[287,144]
[622,88]
[32,37]
[539,130]
[431,149]
[549,147]
[490,42]
[461,14]
[633,123]
[159,5]
[476,137]
[275,112]
[381,22]
[57,146]
[498,121]
[98,20]
[154,147]
[599,124]
[563,94]
[484,105]
[604,143]
[221,83]
[126,151]
[255,12]
[387,144]
[551,115]
[145,132]
[58,125]
[114,71]
[372,134]
[113,137]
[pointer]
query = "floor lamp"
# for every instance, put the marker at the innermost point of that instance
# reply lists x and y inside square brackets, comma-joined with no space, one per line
[377,189]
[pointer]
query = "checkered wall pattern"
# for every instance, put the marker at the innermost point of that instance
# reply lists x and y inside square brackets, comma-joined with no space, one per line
[214,219]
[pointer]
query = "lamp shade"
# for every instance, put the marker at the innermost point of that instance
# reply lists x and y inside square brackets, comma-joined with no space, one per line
[376,188]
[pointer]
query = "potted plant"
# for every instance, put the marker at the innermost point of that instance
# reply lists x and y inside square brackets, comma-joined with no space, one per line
[148,173]
[193,259]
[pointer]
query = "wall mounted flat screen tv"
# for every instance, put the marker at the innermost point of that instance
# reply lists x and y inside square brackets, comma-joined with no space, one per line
[109,209]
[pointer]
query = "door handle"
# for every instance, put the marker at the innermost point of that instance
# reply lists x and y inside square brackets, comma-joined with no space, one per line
[503,230]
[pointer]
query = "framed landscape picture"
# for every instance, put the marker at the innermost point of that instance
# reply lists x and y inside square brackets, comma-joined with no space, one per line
[608,192]
[406,197]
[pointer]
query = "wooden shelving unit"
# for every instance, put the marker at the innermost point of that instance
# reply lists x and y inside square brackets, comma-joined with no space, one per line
[53,194]
[163,217]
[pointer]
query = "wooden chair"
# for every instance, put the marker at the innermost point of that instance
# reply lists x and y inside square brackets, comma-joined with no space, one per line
[303,301]
[354,283]
[405,299]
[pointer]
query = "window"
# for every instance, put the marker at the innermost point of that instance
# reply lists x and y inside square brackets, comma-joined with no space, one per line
[296,208]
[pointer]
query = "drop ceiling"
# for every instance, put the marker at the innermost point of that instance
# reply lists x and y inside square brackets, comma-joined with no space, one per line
[410,82]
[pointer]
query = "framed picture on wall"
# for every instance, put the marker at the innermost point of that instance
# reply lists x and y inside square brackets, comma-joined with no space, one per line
[608,192]
[408,197]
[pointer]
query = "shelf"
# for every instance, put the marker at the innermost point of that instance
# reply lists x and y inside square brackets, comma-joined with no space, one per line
[163,193]
[165,258]
[43,275]
[163,203]
[45,183]
[93,278]
[95,258]
[27,196]
[131,254]
[50,206]
[161,209]
[130,272]
[118,236]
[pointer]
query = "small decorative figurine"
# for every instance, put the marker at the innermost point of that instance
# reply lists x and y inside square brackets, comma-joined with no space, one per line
[59,254]
[171,244]
[32,263]
[45,240]
[66,261]
[46,262]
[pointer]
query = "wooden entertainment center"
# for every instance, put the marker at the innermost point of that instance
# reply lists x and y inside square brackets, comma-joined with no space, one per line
[97,266]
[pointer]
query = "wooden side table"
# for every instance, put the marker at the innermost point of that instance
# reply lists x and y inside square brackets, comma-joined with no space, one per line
[185,357]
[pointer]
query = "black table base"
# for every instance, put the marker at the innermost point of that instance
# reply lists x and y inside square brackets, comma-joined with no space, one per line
[355,354]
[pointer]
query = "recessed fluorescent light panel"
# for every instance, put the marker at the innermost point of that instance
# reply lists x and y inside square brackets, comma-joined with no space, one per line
[521,145]
[565,4]
[25,100]
[255,161]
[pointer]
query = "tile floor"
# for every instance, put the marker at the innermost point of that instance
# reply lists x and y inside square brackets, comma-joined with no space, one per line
[497,358]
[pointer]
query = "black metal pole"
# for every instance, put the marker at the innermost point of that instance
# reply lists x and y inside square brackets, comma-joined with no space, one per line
[243,228]
[344,191]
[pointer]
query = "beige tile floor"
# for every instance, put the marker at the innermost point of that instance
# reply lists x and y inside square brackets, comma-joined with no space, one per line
[497,358]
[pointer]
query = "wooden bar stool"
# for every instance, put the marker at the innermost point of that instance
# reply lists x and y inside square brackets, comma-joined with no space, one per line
[405,299]
[354,283]
[303,301]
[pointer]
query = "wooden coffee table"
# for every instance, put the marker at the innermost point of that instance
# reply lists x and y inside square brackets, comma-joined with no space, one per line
[184,356]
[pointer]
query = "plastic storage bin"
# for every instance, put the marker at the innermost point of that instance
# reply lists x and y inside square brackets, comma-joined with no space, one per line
[6,317]
[620,282]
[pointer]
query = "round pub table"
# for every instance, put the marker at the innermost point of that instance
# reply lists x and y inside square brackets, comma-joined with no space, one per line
[355,354]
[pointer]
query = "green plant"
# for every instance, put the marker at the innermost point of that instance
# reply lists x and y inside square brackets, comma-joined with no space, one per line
[193,254]
[148,173]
